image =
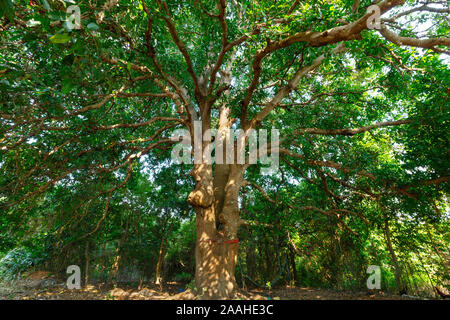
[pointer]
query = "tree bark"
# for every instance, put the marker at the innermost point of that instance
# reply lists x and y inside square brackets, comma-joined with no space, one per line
[217,244]
[393,255]
[251,260]
[292,263]
[87,258]
[158,277]
[114,274]
[215,200]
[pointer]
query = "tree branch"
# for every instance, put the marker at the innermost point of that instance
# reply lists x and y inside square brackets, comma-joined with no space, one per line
[352,131]
[414,42]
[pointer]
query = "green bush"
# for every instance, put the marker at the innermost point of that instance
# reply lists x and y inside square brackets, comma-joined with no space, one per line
[183,277]
[16,262]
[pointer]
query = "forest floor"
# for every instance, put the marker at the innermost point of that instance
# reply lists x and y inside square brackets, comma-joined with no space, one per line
[174,291]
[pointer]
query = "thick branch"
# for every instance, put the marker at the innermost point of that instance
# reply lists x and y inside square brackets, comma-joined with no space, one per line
[352,131]
[414,42]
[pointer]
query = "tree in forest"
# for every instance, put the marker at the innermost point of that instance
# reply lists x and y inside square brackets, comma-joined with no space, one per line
[359,100]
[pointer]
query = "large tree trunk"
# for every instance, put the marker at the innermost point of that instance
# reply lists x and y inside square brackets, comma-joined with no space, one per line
[215,199]
[215,263]
[217,221]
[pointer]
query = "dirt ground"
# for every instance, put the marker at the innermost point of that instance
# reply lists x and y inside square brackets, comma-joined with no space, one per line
[42,285]
[175,291]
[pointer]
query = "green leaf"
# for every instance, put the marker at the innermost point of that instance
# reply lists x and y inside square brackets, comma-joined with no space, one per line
[67,86]
[6,7]
[60,38]
[47,6]
[92,26]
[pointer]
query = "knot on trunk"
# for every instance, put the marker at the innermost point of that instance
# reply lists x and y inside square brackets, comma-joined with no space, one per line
[202,196]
